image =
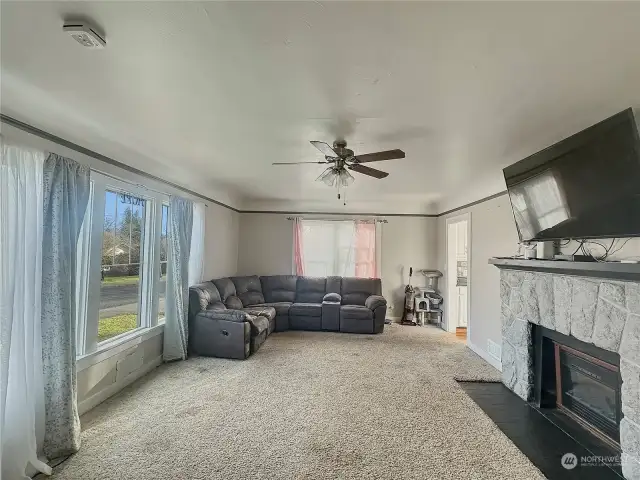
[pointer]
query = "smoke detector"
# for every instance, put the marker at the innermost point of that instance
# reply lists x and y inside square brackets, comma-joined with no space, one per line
[85,34]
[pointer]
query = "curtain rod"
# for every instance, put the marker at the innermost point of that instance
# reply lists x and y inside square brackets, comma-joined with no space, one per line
[373,220]
[25,127]
[139,185]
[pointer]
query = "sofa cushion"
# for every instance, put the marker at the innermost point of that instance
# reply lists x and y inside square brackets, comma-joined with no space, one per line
[281,308]
[306,309]
[279,288]
[310,289]
[259,324]
[268,312]
[205,293]
[248,290]
[216,306]
[334,284]
[355,291]
[226,288]
[356,312]
[233,303]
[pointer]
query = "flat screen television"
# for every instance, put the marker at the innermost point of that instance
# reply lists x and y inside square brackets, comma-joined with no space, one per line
[586,186]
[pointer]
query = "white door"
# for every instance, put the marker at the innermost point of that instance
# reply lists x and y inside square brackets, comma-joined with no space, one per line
[457,272]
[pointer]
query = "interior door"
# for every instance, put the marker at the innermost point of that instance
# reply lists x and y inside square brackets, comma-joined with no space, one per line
[457,273]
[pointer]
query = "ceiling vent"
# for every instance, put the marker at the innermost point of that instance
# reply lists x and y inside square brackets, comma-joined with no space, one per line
[85,34]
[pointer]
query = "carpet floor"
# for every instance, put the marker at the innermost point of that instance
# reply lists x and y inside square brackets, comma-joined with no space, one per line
[308,405]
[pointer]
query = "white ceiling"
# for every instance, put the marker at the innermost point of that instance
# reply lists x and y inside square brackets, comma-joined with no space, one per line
[209,94]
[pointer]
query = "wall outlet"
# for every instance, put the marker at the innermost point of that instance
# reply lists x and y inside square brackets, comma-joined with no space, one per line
[494,350]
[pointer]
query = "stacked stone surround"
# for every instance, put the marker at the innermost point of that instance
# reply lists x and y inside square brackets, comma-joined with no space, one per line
[604,313]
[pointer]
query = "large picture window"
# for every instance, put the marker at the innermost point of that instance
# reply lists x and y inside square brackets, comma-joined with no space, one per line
[121,281]
[344,248]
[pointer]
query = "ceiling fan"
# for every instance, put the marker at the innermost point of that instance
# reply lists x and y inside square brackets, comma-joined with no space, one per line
[341,159]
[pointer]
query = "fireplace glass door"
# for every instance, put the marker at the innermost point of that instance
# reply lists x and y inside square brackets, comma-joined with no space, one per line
[587,388]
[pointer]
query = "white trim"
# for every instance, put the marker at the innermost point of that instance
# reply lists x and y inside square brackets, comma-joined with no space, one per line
[451,220]
[495,363]
[119,344]
[91,402]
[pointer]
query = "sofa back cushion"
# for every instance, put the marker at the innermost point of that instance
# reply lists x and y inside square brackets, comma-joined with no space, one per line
[233,303]
[279,288]
[356,290]
[201,295]
[310,289]
[226,288]
[334,285]
[248,290]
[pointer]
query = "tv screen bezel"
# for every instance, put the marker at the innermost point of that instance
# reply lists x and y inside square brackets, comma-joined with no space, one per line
[540,159]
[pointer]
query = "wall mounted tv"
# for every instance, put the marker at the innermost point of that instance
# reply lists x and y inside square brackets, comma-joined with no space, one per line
[586,186]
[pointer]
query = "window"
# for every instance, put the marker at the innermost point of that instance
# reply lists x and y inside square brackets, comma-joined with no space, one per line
[164,256]
[344,248]
[122,258]
[123,264]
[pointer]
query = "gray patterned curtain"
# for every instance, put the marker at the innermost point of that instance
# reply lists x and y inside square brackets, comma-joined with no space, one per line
[65,198]
[176,327]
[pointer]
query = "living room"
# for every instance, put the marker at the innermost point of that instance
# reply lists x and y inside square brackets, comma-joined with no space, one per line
[217,216]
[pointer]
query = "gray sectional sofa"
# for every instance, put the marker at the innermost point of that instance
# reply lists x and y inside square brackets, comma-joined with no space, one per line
[232,317]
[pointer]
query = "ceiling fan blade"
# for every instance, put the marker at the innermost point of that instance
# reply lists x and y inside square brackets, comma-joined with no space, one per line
[372,172]
[324,148]
[295,163]
[376,157]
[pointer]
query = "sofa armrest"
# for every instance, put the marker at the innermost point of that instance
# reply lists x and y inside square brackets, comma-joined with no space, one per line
[375,301]
[226,315]
[332,297]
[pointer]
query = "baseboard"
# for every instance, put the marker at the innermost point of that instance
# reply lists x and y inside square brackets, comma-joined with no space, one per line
[95,400]
[492,361]
[394,319]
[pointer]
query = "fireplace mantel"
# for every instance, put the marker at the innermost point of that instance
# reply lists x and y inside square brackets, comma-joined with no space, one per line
[611,270]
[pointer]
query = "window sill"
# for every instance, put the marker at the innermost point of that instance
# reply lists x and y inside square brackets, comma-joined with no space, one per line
[118,345]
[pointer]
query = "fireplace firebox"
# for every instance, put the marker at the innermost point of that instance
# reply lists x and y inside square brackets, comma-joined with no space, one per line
[580,380]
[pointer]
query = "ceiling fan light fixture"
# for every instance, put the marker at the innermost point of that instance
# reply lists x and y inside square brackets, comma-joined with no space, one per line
[327,177]
[336,177]
[345,178]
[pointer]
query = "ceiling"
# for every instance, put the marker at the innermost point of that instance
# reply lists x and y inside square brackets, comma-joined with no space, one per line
[209,94]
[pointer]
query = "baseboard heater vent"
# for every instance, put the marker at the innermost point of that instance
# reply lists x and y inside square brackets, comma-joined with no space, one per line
[494,350]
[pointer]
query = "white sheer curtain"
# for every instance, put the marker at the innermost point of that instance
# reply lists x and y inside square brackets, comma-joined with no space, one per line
[328,248]
[176,327]
[346,248]
[21,379]
[196,256]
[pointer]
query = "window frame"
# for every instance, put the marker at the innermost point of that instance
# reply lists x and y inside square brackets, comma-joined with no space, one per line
[164,202]
[90,265]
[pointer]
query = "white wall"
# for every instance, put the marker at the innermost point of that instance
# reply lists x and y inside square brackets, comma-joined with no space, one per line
[493,234]
[103,379]
[266,248]
[220,242]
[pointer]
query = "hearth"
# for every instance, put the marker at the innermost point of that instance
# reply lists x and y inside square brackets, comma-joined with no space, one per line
[580,380]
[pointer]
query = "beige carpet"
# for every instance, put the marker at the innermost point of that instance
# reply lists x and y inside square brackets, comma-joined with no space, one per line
[308,405]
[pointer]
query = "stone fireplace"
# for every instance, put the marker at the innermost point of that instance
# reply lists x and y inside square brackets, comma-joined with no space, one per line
[582,321]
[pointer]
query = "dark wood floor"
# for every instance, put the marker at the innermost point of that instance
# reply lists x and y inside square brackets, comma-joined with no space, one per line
[538,435]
